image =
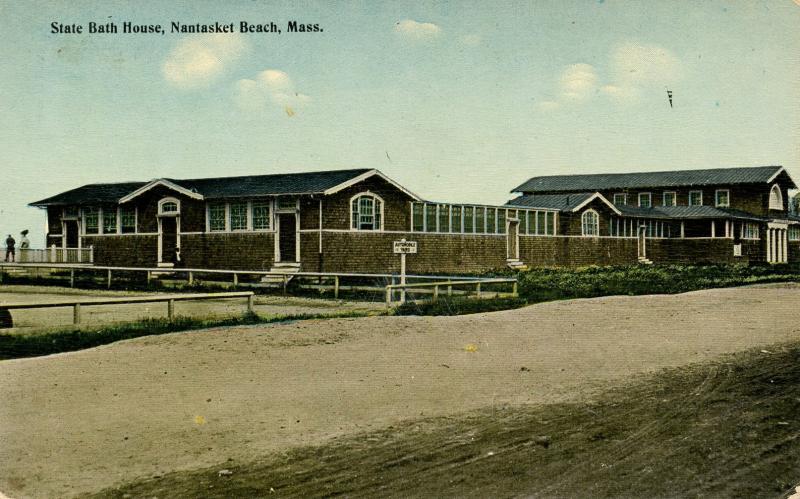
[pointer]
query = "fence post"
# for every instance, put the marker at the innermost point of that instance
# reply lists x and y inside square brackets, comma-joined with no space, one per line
[450,290]
[235,279]
[171,309]
[63,256]
[336,287]
[109,279]
[91,253]
[72,278]
[285,282]
[250,303]
[478,289]
[514,290]
[53,254]
[76,314]
[388,296]
[148,277]
[191,277]
[436,293]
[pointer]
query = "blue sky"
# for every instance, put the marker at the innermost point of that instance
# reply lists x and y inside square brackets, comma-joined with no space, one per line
[458,101]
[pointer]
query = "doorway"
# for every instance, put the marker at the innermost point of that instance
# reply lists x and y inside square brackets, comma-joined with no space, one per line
[287,237]
[168,237]
[71,236]
[512,241]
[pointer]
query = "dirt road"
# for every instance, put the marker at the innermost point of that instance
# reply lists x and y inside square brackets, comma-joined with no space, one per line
[82,421]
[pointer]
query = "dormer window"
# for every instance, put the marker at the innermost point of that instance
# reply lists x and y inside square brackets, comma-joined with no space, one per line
[722,197]
[775,198]
[645,200]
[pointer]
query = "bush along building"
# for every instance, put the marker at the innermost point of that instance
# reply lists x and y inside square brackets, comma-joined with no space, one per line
[346,221]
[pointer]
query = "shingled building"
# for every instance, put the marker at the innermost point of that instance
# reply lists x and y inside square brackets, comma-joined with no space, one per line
[346,220]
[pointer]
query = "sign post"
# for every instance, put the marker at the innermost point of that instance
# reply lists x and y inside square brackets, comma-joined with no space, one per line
[403,248]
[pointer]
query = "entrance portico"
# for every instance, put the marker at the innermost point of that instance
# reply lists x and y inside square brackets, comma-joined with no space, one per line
[777,242]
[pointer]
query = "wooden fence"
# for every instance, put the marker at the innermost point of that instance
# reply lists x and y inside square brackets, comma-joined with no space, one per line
[448,285]
[55,254]
[169,299]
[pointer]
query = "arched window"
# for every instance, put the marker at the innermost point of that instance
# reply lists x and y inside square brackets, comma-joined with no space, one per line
[775,198]
[366,212]
[169,206]
[590,223]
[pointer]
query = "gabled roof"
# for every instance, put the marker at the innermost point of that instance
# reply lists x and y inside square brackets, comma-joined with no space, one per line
[324,182]
[675,178]
[561,202]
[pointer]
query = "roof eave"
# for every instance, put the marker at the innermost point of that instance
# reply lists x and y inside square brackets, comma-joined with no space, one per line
[364,176]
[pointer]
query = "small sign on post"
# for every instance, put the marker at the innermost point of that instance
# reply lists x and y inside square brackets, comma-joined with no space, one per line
[403,248]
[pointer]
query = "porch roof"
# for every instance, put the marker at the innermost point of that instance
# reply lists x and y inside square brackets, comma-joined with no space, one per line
[687,212]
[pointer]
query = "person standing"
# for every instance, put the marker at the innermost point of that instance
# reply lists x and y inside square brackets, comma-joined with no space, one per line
[24,243]
[10,251]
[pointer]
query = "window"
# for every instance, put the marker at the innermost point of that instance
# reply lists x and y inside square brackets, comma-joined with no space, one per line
[71,212]
[750,231]
[551,224]
[620,199]
[127,218]
[491,220]
[287,204]
[455,218]
[238,216]
[366,210]
[430,218]
[480,219]
[645,200]
[590,223]
[216,217]
[541,222]
[775,198]
[261,218]
[501,221]
[90,220]
[722,197]
[695,198]
[444,218]
[169,207]
[794,233]
[109,220]
[418,216]
[469,219]
[669,199]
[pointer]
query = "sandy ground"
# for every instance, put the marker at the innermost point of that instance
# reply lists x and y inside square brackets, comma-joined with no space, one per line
[82,421]
[50,318]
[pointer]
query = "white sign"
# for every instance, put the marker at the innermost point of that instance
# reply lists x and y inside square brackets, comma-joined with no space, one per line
[405,247]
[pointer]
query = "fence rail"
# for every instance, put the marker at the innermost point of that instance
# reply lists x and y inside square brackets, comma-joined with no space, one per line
[169,299]
[448,285]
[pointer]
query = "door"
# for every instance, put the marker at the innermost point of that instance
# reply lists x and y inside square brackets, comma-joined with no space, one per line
[512,246]
[71,227]
[169,239]
[287,237]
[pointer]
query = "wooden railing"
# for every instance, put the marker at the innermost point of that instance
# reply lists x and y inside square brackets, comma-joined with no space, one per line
[55,254]
[169,299]
[447,285]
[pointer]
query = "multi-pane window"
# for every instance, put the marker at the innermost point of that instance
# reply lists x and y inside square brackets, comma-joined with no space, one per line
[541,222]
[444,218]
[620,199]
[127,219]
[491,221]
[669,199]
[366,212]
[109,220]
[480,219]
[695,198]
[261,218]
[590,223]
[287,204]
[430,218]
[238,216]
[723,197]
[90,219]
[169,207]
[418,216]
[645,200]
[750,231]
[469,219]
[501,221]
[794,233]
[216,217]
[551,223]
[455,218]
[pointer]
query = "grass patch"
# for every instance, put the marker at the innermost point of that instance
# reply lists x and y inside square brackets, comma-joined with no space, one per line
[539,285]
[459,306]
[723,429]
[14,346]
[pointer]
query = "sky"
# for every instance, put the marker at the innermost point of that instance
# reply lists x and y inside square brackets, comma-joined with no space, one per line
[458,101]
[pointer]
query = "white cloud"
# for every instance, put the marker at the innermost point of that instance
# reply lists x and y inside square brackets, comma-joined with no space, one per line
[197,60]
[417,30]
[578,82]
[632,68]
[270,86]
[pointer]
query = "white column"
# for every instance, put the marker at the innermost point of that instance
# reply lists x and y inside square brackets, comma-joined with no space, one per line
[769,245]
[785,233]
[683,232]
[713,229]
